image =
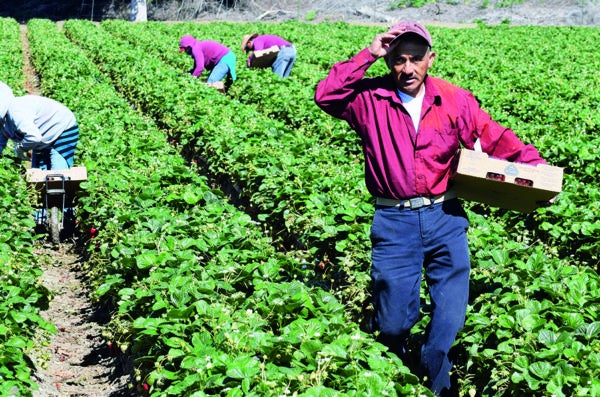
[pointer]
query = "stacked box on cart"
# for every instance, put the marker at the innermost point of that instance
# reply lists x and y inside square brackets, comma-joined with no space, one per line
[505,184]
[72,180]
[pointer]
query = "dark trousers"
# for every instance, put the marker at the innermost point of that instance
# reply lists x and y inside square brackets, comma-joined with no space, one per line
[406,241]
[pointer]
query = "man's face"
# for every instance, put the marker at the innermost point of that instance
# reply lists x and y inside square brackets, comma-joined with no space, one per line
[409,62]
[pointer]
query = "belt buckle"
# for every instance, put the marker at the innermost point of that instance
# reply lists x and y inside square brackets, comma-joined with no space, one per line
[416,202]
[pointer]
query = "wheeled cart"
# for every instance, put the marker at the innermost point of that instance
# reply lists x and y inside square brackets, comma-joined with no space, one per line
[57,189]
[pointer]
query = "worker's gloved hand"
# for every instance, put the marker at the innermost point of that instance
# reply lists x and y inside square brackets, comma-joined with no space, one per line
[20,153]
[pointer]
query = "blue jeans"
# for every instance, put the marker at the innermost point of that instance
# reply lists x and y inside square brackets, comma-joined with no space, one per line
[406,241]
[226,65]
[60,155]
[284,61]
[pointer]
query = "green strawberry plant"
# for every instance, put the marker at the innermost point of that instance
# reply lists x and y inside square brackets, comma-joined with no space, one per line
[267,292]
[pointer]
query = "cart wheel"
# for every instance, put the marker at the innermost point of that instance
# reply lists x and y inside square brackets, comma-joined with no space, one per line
[54,224]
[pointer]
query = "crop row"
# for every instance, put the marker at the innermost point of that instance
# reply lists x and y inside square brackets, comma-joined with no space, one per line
[299,187]
[21,294]
[202,300]
[190,277]
[554,107]
[246,124]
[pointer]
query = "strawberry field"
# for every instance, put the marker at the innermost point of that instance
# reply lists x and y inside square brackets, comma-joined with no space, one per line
[230,240]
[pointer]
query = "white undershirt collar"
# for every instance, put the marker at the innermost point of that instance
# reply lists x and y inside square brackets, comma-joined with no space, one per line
[413,105]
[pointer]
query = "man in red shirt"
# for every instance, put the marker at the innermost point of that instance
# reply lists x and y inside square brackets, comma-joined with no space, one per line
[411,126]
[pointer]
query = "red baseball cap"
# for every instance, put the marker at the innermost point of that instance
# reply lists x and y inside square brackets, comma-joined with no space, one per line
[411,27]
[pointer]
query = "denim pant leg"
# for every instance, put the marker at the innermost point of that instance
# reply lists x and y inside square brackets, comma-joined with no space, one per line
[404,242]
[224,67]
[50,159]
[61,154]
[397,262]
[284,61]
[447,268]
[58,161]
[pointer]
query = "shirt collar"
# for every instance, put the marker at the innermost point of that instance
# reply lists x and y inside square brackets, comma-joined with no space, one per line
[432,95]
[389,90]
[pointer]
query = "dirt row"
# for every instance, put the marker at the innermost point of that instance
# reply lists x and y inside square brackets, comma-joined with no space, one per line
[75,361]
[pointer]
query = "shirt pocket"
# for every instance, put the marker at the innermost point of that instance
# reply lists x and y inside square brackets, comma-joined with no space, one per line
[444,144]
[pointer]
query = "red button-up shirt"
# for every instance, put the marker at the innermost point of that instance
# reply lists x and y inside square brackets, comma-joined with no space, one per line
[399,162]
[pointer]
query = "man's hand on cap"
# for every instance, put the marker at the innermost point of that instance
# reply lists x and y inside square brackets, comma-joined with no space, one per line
[380,45]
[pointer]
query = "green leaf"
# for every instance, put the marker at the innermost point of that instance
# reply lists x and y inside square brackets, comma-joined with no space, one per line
[143,323]
[19,317]
[547,337]
[506,321]
[589,331]
[555,387]
[17,342]
[531,322]
[321,391]
[191,196]
[176,353]
[243,367]
[311,347]
[146,260]
[541,369]
[335,350]
[521,364]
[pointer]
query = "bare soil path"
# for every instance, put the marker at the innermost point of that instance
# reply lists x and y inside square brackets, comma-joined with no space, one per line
[76,360]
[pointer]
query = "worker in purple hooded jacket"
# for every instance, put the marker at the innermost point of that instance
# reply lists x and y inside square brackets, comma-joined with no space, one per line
[210,55]
[412,126]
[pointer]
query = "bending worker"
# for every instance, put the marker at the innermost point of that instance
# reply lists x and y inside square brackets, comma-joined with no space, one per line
[38,124]
[282,64]
[210,55]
